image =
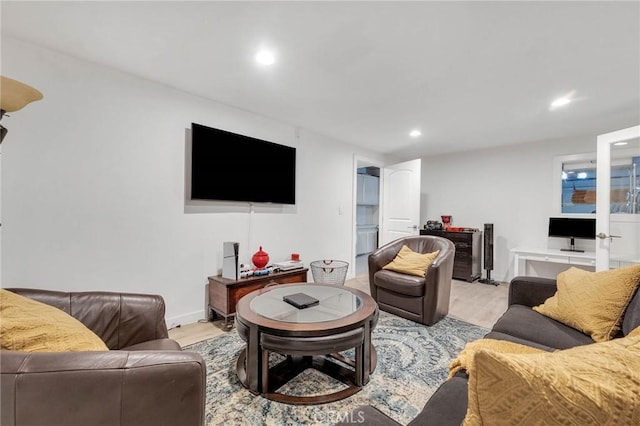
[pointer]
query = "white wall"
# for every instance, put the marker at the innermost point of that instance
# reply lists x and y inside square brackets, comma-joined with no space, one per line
[93,180]
[511,187]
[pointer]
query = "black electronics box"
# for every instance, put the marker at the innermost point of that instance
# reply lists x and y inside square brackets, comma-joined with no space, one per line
[300,300]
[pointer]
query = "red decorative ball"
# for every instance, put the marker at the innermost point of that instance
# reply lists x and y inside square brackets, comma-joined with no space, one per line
[260,258]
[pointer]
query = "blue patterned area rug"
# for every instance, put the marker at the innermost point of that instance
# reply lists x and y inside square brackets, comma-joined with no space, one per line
[413,361]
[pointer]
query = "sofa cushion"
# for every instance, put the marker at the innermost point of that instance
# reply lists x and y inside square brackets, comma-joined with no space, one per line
[410,262]
[409,285]
[523,322]
[592,302]
[632,314]
[590,384]
[503,336]
[32,326]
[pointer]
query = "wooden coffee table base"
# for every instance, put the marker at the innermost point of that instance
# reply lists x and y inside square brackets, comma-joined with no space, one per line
[287,369]
[310,344]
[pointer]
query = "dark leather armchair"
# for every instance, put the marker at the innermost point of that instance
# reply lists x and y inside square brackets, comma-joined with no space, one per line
[144,379]
[420,299]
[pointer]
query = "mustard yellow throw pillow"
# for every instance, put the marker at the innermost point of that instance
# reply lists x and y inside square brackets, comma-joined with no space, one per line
[31,326]
[592,302]
[596,384]
[409,262]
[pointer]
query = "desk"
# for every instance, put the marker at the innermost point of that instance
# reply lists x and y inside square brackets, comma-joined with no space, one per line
[522,256]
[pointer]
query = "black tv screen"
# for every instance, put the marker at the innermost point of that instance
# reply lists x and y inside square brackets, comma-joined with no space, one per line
[570,227]
[226,166]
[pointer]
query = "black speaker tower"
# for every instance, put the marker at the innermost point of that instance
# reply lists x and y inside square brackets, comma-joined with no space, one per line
[488,254]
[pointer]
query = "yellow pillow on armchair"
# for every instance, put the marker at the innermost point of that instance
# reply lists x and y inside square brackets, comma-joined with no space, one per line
[410,262]
[31,326]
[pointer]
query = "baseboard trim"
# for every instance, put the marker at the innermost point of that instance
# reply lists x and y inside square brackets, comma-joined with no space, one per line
[189,318]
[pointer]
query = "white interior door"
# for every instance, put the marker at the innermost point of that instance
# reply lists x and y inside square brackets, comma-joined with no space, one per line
[617,210]
[400,200]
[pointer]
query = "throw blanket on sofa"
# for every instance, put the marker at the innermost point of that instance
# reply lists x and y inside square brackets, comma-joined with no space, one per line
[593,384]
[464,360]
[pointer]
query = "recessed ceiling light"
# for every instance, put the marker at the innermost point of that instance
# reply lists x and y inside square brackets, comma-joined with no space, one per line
[560,102]
[563,100]
[265,57]
[415,133]
[620,143]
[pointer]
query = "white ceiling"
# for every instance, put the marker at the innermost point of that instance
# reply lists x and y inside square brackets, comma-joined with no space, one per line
[468,74]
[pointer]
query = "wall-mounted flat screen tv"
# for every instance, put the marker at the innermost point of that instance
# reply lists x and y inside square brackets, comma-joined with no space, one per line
[570,227]
[227,166]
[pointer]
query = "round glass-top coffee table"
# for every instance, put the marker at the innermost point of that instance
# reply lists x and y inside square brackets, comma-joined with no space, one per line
[308,337]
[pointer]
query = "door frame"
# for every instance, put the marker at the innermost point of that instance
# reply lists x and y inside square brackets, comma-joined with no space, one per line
[603,191]
[358,162]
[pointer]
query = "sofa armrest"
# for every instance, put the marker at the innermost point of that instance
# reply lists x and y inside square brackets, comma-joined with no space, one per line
[379,258]
[119,319]
[108,388]
[366,415]
[530,291]
[383,256]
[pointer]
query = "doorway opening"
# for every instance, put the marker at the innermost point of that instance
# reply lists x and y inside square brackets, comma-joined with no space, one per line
[387,209]
[367,212]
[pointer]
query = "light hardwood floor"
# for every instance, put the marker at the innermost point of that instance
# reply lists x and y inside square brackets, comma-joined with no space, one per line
[475,303]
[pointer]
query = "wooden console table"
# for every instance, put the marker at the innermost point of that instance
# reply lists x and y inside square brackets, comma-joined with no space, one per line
[224,293]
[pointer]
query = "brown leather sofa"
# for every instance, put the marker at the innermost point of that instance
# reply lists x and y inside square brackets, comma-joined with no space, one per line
[144,379]
[420,299]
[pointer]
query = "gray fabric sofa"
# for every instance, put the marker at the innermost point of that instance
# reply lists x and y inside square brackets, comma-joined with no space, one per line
[519,324]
